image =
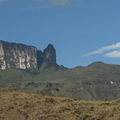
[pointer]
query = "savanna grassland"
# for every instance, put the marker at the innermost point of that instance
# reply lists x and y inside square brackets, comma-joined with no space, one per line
[23,106]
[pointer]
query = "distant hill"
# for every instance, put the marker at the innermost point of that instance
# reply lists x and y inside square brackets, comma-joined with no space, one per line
[97,81]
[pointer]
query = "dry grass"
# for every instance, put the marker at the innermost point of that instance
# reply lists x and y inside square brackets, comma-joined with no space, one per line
[23,106]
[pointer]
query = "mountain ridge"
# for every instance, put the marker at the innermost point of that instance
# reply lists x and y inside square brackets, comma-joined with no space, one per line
[96,81]
[17,55]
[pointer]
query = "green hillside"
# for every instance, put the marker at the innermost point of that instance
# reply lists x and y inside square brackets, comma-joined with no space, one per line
[97,81]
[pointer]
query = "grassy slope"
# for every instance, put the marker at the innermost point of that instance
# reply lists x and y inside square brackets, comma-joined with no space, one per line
[22,106]
[16,75]
[91,82]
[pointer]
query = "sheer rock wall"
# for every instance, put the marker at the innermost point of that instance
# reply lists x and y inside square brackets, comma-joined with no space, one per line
[21,56]
[14,55]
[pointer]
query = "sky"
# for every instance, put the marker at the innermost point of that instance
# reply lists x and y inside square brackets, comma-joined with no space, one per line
[82,31]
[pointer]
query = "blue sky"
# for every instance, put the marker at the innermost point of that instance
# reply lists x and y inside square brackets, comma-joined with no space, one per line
[82,31]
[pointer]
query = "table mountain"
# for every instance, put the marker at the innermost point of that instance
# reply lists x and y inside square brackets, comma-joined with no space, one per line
[13,55]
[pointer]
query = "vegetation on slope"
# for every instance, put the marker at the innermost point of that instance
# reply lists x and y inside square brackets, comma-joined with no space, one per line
[95,82]
[23,106]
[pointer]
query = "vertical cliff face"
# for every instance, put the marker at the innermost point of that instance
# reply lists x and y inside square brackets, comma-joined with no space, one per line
[2,60]
[40,58]
[14,55]
[20,56]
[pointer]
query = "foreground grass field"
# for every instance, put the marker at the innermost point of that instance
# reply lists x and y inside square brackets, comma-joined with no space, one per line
[23,106]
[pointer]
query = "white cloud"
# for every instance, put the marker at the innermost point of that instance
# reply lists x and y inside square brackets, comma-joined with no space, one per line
[2,0]
[60,3]
[113,54]
[103,49]
[40,0]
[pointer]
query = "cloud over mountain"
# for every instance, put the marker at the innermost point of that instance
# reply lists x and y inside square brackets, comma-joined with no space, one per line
[106,48]
[113,54]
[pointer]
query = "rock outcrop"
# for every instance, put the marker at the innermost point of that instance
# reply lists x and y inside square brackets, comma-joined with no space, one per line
[48,56]
[21,56]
